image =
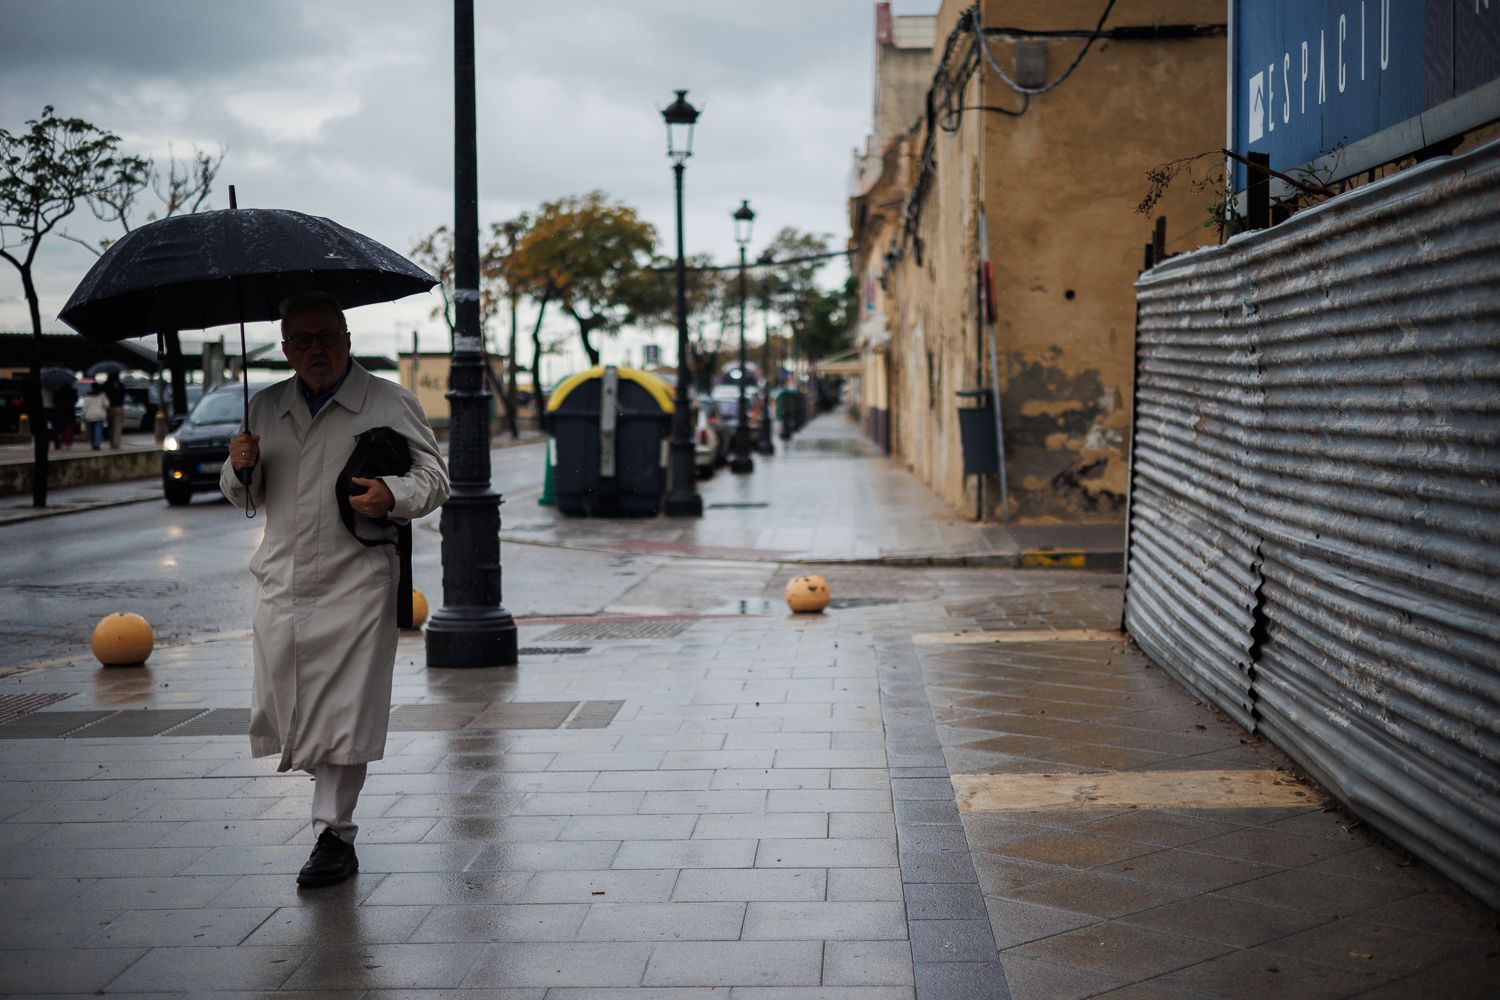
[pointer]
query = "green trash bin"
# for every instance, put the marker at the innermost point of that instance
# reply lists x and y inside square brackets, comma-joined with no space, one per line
[608,426]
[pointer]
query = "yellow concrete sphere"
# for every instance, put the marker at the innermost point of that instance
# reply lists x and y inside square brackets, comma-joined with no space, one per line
[807,594]
[122,639]
[418,608]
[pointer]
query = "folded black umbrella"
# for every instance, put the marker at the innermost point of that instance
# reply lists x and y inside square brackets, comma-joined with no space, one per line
[191,272]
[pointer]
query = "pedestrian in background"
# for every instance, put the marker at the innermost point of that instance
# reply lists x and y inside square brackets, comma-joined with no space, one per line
[64,415]
[325,617]
[95,412]
[114,392]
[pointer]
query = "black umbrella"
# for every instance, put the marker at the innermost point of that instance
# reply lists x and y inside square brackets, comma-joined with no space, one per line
[106,368]
[191,272]
[56,377]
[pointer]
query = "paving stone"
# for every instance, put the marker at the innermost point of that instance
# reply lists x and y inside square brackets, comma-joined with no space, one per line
[328,925]
[1028,978]
[598,887]
[961,981]
[768,778]
[726,826]
[578,855]
[861,826]
[943,901]
[867,963]
[686,854]
[70,970]
[203,927]
[679,921]
[864,885]
[750,884]
[575,964]
[826,921]
[1118,949]
[1253,972]
[386,966]
[826,853]
[735,963]
[943,866]
[952,941]
[162,970]
[500,922]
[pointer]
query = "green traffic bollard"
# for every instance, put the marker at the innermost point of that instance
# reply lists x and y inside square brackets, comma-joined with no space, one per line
[547,499]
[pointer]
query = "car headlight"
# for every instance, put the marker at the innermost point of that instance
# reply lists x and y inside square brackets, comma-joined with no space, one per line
[170,443]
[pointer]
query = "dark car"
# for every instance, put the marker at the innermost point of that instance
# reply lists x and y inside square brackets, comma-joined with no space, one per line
[194,452]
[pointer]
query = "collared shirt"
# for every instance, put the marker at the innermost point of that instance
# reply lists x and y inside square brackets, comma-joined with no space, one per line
[316,403]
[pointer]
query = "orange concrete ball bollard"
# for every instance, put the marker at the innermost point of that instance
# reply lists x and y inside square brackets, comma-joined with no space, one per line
[807,594]
[122,639]
[418,608]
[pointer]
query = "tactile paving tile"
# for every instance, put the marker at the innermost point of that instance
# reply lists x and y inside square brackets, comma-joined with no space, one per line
[39,725]
[552,650]
[525,715]
[434,716]
[151,722]
[218,722]
[638,628]
[596,714]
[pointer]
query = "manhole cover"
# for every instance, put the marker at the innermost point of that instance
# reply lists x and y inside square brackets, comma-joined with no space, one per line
[552,650]
[638,628]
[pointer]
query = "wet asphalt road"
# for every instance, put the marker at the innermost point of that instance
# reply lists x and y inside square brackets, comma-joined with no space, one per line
[184,568]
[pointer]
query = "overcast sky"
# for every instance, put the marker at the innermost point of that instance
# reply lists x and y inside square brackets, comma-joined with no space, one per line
[344,108]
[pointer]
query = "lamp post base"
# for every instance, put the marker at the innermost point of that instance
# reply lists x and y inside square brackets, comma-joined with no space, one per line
[471,637]
[690,505]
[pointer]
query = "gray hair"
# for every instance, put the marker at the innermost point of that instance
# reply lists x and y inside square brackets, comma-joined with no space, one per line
[309,301]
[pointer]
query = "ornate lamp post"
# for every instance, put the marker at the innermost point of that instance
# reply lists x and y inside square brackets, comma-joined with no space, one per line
[682,492]
[471,629]
[744,220]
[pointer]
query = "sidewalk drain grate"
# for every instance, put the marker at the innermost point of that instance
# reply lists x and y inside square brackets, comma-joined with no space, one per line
[434,716]
[596,714]
[552,650]
[743,505]
[861,602]
[620,629]
[525,715]
[14,706]
[43,724]
[216,722]
[152,722]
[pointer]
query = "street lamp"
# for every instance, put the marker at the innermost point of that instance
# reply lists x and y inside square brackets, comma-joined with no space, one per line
[765,447]
[471,629]
[682,494]
[744,220]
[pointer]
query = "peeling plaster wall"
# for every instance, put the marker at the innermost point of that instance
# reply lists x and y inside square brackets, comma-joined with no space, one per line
[1060,186]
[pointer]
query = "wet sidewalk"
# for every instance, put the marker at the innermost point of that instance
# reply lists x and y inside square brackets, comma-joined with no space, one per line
[957,783]
[828,495]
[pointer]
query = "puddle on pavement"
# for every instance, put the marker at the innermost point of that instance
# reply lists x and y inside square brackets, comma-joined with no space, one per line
[749,606]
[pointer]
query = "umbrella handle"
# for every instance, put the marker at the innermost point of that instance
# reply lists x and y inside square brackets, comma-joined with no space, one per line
[245,475]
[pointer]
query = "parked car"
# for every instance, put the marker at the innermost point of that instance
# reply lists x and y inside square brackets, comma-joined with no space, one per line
[154,396]
[194,453]
[138,416]
[710,437]
[728,399]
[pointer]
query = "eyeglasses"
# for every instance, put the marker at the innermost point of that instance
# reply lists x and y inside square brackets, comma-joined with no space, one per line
[323,338]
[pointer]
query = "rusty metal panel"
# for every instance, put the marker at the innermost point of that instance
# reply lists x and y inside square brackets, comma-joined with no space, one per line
[1316,470]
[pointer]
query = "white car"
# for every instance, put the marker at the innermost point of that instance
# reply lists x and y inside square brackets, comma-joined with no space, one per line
[710,437]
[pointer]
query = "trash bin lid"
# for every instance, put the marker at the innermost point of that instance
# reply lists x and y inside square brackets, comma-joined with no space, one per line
[659,390]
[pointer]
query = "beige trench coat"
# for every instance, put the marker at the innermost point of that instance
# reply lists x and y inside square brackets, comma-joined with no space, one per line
[325,621]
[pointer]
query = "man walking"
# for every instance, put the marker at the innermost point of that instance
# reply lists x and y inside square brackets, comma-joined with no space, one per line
[325,621]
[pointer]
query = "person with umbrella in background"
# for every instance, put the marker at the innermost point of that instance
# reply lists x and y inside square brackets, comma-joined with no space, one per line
[114,394]
[64,415]
[325,624]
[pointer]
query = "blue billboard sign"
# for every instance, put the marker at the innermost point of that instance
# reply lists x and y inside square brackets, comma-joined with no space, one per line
[1313,77]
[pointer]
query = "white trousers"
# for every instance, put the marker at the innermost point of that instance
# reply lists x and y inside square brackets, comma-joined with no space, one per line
[335,794]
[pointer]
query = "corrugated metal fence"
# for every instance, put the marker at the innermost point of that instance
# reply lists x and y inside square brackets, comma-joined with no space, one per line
[1314,537]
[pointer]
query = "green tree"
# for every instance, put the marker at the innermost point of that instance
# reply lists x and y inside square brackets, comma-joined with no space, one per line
[585,253]
[652,294]
[46,171]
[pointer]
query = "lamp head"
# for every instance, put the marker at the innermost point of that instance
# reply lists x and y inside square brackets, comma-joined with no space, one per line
[680,117]
[744,220]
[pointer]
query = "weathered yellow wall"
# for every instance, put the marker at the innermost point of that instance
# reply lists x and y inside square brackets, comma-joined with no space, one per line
[1063,183]
[1059,186]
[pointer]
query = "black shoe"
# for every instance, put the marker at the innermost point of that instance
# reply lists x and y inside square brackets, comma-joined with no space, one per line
[332,862]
